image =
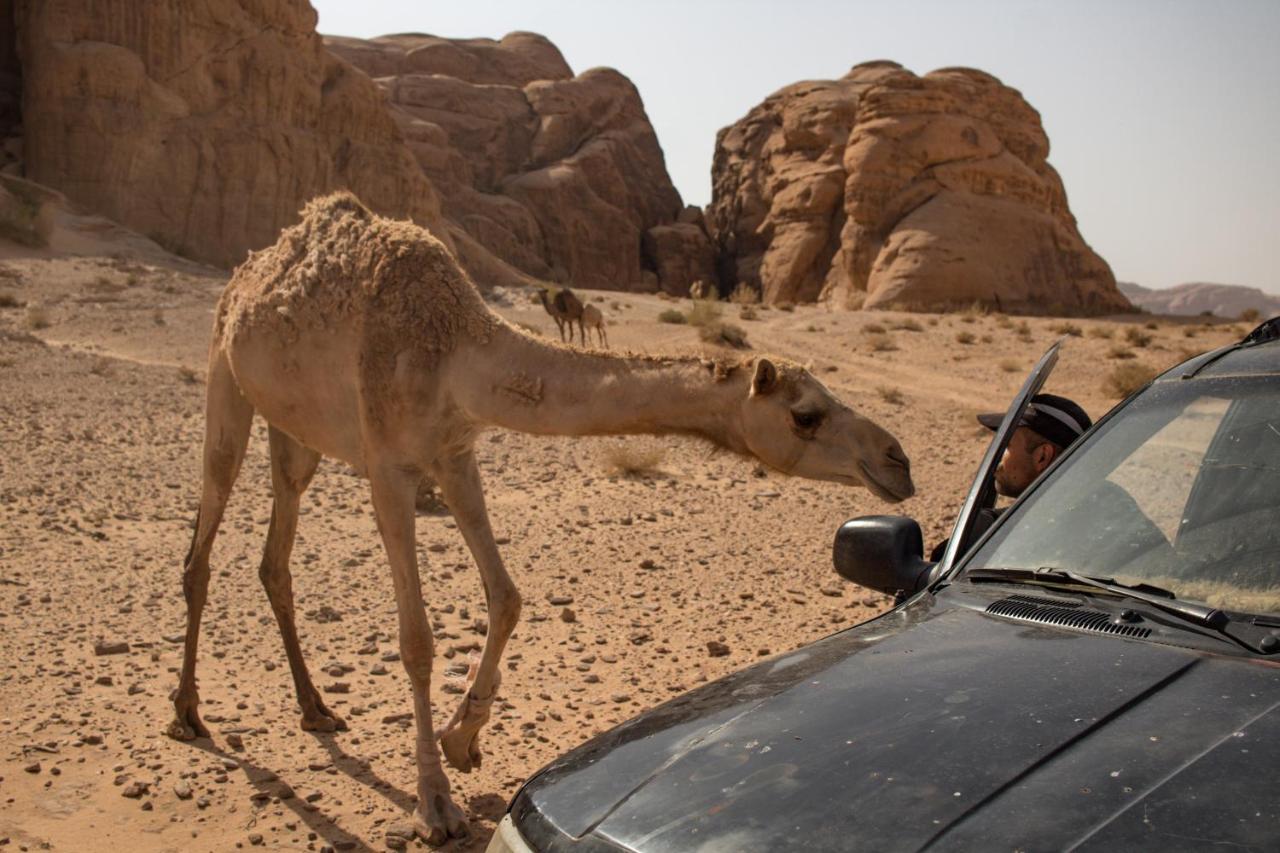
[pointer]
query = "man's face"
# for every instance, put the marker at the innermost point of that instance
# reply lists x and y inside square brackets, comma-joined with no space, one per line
[1022,462]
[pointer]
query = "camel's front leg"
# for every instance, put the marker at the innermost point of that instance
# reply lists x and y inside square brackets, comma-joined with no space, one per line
[460,481]
[436,818]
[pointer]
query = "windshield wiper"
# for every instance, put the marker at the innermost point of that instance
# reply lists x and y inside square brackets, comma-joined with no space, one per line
[1161,599]
[1254,633]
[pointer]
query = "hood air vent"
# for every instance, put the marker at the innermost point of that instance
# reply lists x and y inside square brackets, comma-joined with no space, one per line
[1069,614]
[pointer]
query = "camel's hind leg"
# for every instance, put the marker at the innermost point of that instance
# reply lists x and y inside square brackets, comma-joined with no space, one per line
[292,467]
[604,339]
[227,419]
[459,478]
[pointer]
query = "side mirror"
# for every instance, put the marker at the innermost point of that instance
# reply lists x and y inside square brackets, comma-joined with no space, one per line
[882,552]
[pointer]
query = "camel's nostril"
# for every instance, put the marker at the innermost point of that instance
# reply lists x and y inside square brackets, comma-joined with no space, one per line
[896,456]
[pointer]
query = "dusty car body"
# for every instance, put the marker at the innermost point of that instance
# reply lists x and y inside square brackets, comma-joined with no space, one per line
[1002,704]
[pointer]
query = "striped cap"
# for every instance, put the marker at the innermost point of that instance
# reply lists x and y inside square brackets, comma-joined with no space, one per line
[1058,419]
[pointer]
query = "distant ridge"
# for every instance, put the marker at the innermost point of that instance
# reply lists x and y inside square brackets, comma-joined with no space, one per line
[1197,297]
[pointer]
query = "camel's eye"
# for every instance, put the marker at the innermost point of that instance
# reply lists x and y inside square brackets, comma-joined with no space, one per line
[806,420]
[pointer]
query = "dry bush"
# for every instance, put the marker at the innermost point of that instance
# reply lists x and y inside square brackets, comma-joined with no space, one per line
[744,294]
[1190,332]
[671,315]
[1010,365]
[1067,329]
[1120,351]
[8,300]
[974,311]
[968,318]
[1004,321]
[704,312]
[786,306]
[890,395]
[907,325]
[1101,332]
[1250,315]
[746,312]
[1137,337]
[986,339]
[933,321]
[1124,379]
[1151,324]
[188,375]
[633,460]
[965,338]
[36,317]
[881,343]
[873,329]
[101,366]
[724,333]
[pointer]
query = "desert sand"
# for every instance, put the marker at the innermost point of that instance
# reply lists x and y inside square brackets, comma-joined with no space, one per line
[627,576]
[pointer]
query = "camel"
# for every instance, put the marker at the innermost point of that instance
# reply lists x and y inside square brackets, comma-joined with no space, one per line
[593,318]
[360,338]
[565,308]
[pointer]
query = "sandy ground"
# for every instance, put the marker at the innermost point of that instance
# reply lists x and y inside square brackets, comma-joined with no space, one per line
[101,412]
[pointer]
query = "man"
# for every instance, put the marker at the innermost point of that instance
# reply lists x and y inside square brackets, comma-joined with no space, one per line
[1049,426]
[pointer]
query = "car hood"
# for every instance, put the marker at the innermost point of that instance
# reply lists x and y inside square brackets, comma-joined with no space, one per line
[933,725]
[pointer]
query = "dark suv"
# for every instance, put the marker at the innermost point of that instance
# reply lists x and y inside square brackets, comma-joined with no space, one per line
[1099,670]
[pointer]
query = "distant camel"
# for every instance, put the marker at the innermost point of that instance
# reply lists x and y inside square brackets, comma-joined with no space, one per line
[593,319]
[361,339]
[565,308]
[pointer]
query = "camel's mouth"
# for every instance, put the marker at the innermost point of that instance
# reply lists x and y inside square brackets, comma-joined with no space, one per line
[893,493]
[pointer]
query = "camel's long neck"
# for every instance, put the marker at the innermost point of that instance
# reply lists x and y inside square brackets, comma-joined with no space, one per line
[521,383]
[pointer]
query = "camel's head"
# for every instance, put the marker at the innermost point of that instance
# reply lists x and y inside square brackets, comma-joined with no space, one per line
[791,422]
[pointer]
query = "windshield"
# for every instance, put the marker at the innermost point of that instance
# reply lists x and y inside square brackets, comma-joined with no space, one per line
[1180,490]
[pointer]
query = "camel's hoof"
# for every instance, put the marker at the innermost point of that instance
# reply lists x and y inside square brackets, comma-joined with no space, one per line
[186,725]
[440,821]
[461,748]
[323,721]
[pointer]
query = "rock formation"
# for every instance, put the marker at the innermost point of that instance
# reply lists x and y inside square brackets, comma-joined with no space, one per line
[885,189]
[559,176]
[1193,298]
[205,125]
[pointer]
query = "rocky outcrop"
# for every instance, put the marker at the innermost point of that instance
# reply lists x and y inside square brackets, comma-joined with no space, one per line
[885,189]
[559,176]
[1194,298]
[205,125]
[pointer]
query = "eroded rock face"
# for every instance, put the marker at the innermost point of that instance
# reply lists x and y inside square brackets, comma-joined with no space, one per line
[559,176]
[205,125]
[884,189]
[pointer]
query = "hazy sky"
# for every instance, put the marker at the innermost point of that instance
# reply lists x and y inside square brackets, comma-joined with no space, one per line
[1163,115]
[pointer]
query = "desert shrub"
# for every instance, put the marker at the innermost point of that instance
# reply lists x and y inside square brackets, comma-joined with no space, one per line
[27,216]
[744,294]
[968,318]
[1150,324]
[890,395]
[36,317]
[786,306]
[1190,332]
[671,315]
[1124,379]
[1067,329]
[1119,351]
[1100,332]
[187,375]
[101,366]
[873,329]
[986,339]
[881,343]
[1137,337]
[907,325]
[812,328]
[1004,321]
[703,313]
[933,321]
[974,311]
[747,312]
[724,333]
[8,300]
[633,460]
[1250,315]
[965,338]
[1010,365]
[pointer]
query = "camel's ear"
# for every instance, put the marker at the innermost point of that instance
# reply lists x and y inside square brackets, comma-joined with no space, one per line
[765,378]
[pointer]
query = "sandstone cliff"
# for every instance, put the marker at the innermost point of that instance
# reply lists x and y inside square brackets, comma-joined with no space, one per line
[560,176]
[205,125]
[885,189]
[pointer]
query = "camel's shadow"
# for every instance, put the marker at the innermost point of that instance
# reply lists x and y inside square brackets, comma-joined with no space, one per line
[267,781]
